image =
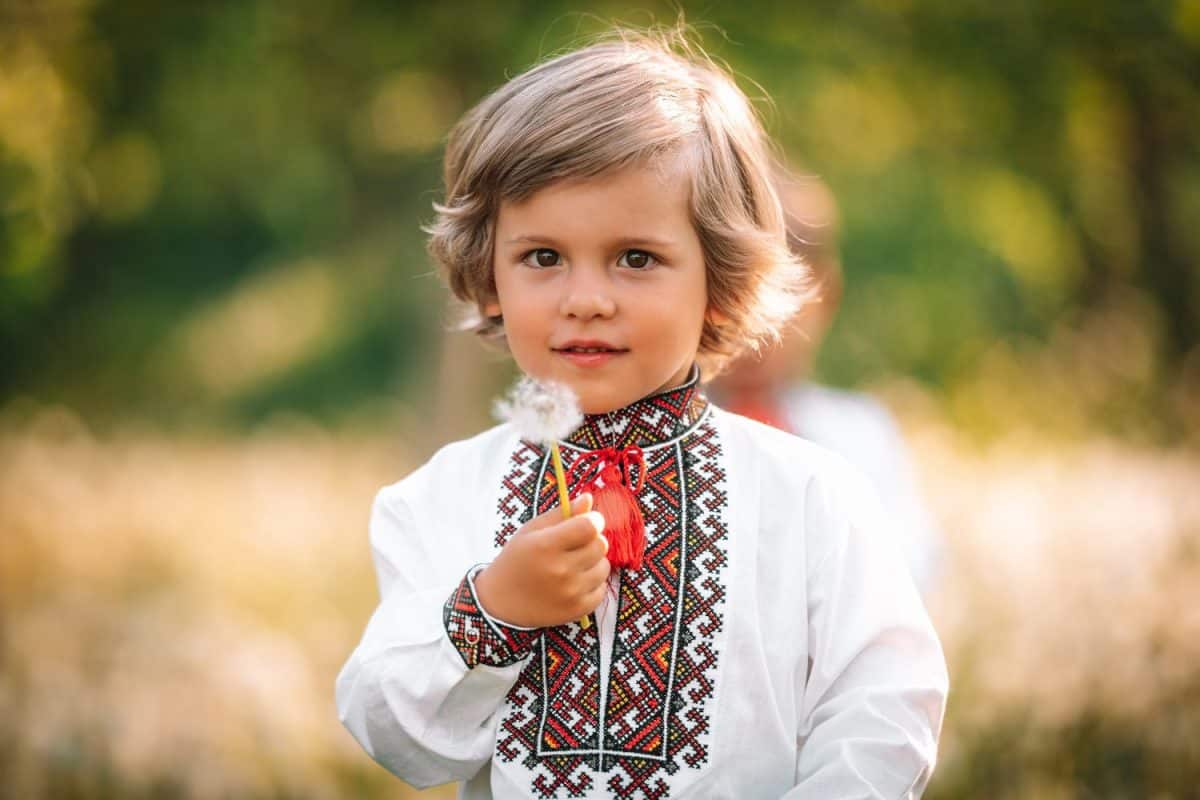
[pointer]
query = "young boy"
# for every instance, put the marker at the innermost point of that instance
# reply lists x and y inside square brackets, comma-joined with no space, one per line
[610,215]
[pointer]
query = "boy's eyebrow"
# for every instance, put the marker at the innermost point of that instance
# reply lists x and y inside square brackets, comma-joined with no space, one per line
[624,241]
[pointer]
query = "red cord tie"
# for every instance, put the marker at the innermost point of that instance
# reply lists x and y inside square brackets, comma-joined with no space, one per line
[608,474]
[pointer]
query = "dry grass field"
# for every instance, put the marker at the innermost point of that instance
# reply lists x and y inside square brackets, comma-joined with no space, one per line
[173,611]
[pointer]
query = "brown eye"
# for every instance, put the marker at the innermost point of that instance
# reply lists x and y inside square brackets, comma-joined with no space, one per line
[637,259]
[545,257]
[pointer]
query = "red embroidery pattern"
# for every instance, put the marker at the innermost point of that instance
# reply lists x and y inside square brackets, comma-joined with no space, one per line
[664,657]
[516,498]
[656,718]
[477,639]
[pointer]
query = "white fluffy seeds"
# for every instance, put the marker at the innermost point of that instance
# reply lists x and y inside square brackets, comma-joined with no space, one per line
[540,411]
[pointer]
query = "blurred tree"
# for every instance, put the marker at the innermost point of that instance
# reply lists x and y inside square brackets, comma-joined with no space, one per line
[1010,175]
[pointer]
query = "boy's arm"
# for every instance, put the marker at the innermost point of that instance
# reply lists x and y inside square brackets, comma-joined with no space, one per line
[875,690]
[422,690]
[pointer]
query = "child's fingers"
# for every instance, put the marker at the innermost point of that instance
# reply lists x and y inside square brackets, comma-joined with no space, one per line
[593,551]
[594,528]
[593,598]
[598,574]
[577,532]
[579,506]
[582,504]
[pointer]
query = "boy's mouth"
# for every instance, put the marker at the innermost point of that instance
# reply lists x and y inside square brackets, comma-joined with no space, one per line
[589,347]
[588,354]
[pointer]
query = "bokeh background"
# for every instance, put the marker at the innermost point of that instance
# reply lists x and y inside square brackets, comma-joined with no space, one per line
[219,336]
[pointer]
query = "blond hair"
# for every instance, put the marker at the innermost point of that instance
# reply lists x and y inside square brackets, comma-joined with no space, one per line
[630,98]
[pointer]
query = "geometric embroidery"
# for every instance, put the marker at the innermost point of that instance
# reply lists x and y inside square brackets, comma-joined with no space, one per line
[478,639]
[651,420]
[656,716]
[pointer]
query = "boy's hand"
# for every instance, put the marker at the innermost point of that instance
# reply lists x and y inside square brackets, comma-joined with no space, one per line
[551,571]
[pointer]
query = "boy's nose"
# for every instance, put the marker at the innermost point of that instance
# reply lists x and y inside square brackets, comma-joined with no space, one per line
[586,298]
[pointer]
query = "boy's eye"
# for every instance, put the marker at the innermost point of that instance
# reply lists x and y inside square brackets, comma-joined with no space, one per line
[637,259]
[542,257]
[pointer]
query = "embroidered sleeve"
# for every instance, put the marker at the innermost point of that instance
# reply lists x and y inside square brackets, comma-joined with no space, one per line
[479,637]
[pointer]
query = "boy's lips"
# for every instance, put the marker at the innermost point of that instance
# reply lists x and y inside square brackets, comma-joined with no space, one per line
[588,345]
[589,352]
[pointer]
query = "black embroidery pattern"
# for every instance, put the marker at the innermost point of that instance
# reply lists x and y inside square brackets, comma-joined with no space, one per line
[652,419]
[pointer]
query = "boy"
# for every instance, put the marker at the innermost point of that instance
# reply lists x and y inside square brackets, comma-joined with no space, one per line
[610,215]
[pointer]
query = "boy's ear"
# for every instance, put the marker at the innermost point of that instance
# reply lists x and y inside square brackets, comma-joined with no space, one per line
[491,308]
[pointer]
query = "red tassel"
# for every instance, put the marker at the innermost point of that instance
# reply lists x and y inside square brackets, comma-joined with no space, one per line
[623,523]
[606,474]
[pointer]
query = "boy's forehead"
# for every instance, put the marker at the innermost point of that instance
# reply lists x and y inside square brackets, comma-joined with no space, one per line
[642,193]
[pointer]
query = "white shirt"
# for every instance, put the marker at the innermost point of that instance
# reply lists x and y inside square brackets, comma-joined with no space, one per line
[772,645]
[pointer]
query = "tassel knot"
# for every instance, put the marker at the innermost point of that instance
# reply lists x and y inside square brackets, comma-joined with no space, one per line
[608,474]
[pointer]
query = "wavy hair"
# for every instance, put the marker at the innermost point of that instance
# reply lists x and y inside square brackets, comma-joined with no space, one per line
[629,98]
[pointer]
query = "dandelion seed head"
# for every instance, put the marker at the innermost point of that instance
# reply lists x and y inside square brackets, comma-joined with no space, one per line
[541,411]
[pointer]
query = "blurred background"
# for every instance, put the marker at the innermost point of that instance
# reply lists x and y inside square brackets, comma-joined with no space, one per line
[219,336]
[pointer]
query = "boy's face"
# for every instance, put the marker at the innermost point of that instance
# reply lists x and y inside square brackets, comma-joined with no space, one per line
[601,284]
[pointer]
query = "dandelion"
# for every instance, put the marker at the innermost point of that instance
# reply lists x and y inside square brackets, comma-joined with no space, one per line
[544,412]
[541,411]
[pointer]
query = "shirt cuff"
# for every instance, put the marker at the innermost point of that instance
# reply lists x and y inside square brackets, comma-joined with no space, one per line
[479,637]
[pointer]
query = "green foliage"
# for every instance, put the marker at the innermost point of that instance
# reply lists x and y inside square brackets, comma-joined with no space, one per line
[1005,172]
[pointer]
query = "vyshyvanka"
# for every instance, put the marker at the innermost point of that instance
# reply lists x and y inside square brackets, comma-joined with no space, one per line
[771,644]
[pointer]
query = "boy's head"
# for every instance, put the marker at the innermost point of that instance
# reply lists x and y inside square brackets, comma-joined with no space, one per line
[633,106]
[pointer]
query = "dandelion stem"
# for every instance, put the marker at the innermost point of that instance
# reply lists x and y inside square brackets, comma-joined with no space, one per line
[564,499]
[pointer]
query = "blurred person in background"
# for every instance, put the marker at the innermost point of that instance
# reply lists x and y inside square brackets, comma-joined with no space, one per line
[774,386]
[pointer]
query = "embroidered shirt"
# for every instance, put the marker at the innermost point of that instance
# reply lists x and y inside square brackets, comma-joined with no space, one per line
[770,645]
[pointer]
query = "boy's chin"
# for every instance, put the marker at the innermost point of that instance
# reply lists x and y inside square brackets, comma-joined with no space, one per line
[595,396]
[592,404]
[602,401]
[606,390]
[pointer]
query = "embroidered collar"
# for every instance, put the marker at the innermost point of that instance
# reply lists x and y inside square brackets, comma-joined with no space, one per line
[653,420]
